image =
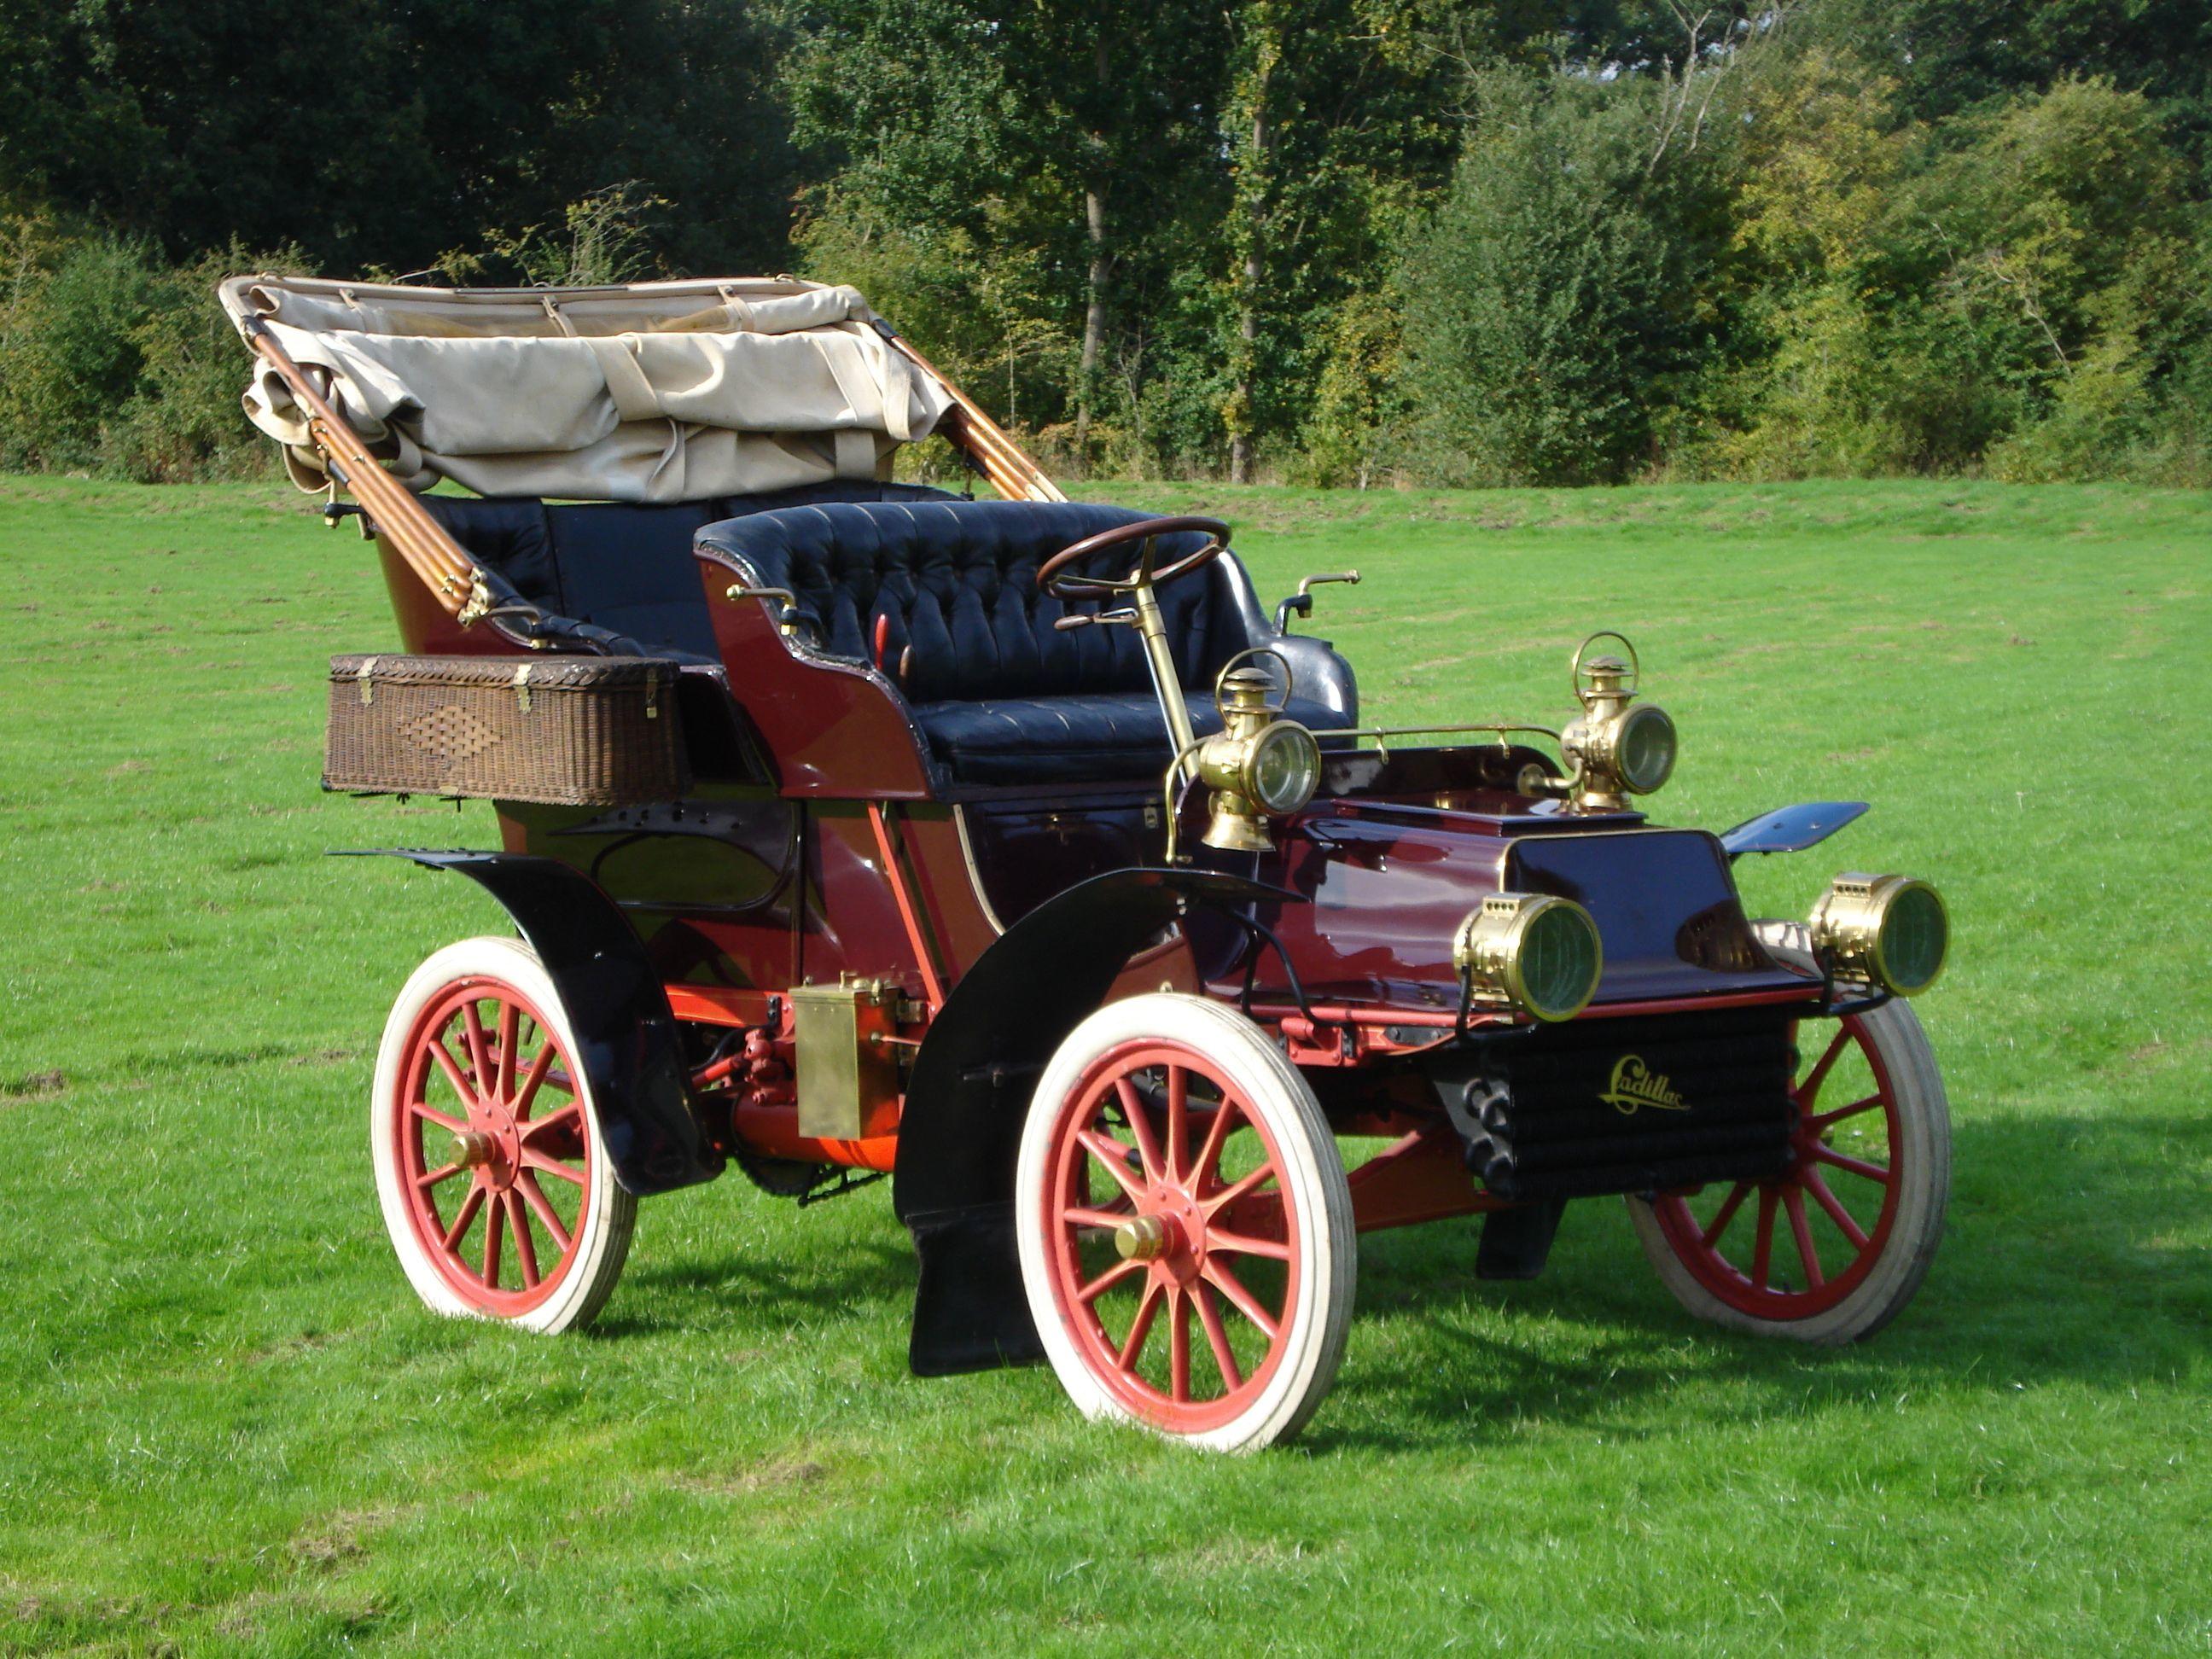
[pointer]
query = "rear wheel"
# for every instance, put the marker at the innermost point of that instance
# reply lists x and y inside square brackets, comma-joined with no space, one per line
[496,1186]
[1831,1249]
[1186,1231]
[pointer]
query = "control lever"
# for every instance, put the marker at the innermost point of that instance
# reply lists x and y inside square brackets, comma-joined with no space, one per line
[1300,604]
[1074,620]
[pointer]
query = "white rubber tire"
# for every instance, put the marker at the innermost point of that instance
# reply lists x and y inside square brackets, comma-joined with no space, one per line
[1312,1175]
[1924,1124]
[610,1213]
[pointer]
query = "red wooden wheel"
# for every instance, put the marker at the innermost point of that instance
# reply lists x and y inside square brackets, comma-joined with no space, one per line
[1850,1192]
[1138,1146]
[492,1145]
[1832,1248]
[496,1188]
[1189,1257]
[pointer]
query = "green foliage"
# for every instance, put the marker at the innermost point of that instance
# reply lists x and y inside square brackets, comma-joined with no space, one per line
[71,359]
[1355,240]
[1566,282]
[385,135]
[112,360]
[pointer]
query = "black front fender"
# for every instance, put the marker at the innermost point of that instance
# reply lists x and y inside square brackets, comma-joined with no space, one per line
[968,1093]
[626,1036]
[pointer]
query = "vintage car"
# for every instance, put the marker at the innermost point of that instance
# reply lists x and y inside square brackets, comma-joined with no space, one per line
[1011,847]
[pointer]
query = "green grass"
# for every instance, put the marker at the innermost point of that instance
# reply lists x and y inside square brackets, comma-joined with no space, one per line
[225,1426]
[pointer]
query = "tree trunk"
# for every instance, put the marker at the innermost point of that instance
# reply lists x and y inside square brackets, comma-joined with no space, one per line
[1094,308]
[1248,330]
[1094,312]
[1248,301]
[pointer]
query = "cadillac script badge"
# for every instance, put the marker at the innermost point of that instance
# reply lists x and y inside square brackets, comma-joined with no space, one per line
[1635,1085]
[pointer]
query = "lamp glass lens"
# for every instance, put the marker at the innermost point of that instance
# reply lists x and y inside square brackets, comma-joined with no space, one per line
[1914,937]
[1286,769]
[1647,750]
[1558,961]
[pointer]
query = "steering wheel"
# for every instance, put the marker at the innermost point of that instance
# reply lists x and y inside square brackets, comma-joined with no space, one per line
[1050,581]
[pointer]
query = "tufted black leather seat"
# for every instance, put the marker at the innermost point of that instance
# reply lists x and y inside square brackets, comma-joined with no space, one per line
[626,572]
[999,696]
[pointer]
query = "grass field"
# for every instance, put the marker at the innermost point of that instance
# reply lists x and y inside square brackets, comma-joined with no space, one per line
[227,1426]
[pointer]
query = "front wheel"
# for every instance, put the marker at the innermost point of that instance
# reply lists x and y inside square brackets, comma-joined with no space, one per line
[496,1188]
[1831,1249]
[1186,1231]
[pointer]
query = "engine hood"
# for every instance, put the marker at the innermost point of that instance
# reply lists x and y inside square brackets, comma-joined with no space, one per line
[1386,884]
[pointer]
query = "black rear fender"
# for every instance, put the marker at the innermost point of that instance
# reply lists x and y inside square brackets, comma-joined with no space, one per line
[627,1038]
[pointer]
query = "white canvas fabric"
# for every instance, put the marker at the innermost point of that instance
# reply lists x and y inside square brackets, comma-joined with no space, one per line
[657,392]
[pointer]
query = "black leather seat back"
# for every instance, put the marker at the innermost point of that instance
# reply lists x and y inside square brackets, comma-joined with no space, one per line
[957,580]
[625,569]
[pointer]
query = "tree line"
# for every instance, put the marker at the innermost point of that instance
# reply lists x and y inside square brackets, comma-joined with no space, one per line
[1338,241]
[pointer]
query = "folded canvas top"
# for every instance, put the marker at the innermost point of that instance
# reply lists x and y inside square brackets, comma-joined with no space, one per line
[651,392]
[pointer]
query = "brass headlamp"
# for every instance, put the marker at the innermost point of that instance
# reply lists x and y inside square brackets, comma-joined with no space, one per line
[1538,952]
[1617,747]
[1259,765]
[1890,931]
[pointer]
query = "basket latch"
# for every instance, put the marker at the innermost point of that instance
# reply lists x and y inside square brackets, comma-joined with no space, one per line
[522,686]
[361,676]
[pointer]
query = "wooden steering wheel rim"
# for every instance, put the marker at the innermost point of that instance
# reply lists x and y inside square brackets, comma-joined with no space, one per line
[1049,581]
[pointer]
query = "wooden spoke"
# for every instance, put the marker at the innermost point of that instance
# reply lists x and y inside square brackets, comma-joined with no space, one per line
[1219,1238]
[1794,1202]
[510,1022]
[1762,1260]
[1725,1214]
[465,1215]
[534,1159]
[1809,1089]
[1083,1217]
[1244,1302]
[462,1087]
[1207,1165]
[525,1250]
[432,1114]
[1248,1184]
[540,1068]
[1141,1326]
[495,1235]
[1858,1166]
[431,1178]
[1178,1345]
[1113,1154]
[479,1047]
[534,1195]
[1178,1121]
[1107,1280]
[1217,1337]
[1821,1121]
[570,1114]
[1141,1126]
[1846,1223]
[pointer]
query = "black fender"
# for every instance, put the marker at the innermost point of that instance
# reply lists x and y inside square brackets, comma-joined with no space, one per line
[1791,828]
[627,1038]
[968,1094]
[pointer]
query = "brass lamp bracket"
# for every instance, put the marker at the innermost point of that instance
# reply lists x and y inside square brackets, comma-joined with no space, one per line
[1606,678]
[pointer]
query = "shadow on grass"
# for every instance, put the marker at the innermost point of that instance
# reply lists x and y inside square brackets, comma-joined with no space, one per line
[2065,1287]
[874,1276]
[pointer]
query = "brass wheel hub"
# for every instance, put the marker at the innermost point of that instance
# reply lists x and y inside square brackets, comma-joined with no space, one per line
[1142,1238]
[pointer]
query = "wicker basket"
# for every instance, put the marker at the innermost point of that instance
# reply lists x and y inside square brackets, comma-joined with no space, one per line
[563,731]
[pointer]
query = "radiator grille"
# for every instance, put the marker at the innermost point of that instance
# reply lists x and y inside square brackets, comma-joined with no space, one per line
[1633,1105]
